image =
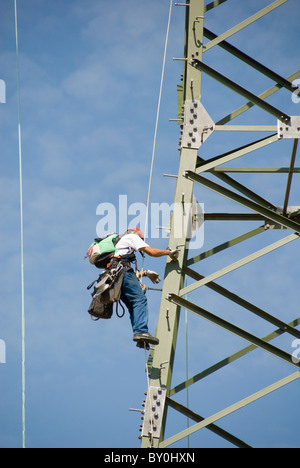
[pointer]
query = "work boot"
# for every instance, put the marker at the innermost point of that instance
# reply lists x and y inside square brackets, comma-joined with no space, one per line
[146,338]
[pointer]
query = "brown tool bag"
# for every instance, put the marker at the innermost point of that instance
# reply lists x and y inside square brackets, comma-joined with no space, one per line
[101,306]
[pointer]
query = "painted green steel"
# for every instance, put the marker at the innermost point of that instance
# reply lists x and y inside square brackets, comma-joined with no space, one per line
[243,303]
[180,301]
[269,214]
[228,360]
[225,245]
[193,168]
[236,153]
[241,110]
[244,190]
[256,170]
[280,115]
[252,62]
[221,414]
[289,181]
[214,4]
[244,24]
[211,427]
[239,264]
[167,327]
[233,217]
[245,128]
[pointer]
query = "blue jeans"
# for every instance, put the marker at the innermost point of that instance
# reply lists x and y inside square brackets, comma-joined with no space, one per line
[136,302]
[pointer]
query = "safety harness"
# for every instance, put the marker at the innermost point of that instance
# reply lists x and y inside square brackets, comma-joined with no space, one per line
[107,288]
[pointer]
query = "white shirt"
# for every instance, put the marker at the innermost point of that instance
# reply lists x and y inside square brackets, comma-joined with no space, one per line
[128,244]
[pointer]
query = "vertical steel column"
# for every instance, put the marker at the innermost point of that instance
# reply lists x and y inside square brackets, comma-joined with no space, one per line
[167,327]
[196,127]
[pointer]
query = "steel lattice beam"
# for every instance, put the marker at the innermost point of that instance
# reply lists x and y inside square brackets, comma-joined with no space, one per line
[195,171]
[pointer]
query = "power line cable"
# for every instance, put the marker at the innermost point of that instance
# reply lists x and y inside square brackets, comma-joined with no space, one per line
[21,227]
[157,117]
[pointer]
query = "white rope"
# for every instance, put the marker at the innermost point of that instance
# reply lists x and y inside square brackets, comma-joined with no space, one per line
[22,229]
[157,118]
[149,189]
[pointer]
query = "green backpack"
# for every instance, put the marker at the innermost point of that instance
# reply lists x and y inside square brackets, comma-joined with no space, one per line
[102,250]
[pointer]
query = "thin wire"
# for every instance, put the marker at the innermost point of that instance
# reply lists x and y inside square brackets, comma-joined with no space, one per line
[157,117]
[187,363]
[187,370]
[22,231]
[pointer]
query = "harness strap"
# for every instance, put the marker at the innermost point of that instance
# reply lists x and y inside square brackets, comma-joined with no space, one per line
[117,311]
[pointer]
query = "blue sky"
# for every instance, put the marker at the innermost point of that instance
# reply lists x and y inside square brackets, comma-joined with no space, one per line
[90,75]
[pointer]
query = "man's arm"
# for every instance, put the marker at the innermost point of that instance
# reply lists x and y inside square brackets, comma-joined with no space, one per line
[157,252]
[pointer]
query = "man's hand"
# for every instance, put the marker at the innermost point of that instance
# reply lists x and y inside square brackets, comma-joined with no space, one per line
[154,277]
[174,254]
[160,253]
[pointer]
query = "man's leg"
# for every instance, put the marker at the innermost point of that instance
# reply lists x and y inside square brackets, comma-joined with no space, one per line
[136,301]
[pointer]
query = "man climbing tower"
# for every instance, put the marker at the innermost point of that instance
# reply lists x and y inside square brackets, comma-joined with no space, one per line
[132,294]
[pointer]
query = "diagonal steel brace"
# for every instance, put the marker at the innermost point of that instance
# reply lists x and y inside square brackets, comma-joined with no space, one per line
[233,329]
[245,304]
[268,214]
[280,115]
